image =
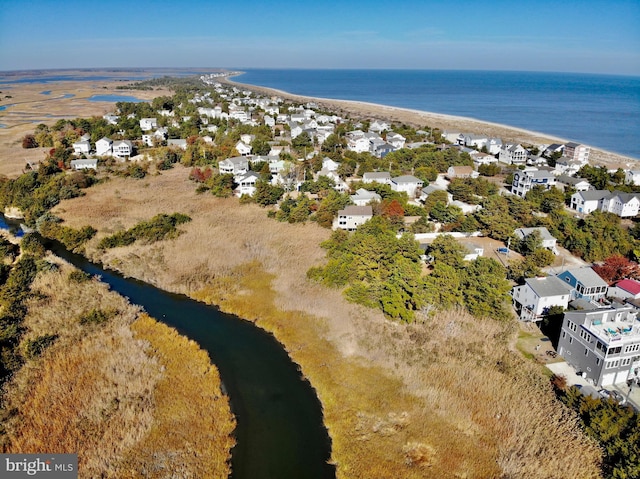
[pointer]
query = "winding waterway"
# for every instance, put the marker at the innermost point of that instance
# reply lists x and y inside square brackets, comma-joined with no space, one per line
[280,433]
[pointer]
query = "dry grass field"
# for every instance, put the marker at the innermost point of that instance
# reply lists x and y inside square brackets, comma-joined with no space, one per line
[128,395]
[447,397]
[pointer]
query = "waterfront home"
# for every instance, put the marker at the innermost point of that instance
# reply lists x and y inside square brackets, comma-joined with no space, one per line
[513,155]
[480,158]
[148,124]
[382,149]
[352,216]
[82,147]
[89,163]
[553,148]
[383,177]
[525,180]
[235,165]
[104,146]
[547,241]
[330,165]
[407,183]
[625,289]
[364,197]
[475,141]
[602,343]
[585,283]
[536,296]
[632,177]
[576,152]
[378,126]
[494,145]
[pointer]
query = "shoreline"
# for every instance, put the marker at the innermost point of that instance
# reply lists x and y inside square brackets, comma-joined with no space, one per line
[441,121]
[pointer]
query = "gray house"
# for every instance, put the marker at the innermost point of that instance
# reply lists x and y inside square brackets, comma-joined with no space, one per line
[602,343]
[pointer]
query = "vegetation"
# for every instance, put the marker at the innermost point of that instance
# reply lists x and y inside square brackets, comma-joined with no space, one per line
[615,427]
[158,228]
[118,410]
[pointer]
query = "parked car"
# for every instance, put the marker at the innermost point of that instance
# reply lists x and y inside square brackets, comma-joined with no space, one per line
[614,395]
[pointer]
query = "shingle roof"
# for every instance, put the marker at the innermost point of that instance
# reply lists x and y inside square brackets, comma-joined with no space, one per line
[587,276]
[548,286]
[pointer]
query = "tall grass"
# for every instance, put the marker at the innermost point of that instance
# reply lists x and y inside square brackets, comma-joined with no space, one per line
[445,397]
[106,390]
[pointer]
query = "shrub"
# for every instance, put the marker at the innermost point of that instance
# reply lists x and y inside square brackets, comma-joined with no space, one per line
[35,347]
[96,316]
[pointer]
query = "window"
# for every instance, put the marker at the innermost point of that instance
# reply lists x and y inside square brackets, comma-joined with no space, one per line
[597,361]
[625,362]
[613,351]
[572,326]
[570,339]
[584,335]
[586,352]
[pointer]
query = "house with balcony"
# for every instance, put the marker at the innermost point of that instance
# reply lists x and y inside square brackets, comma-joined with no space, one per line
[525,180]
[513,155]
[104,146]
[122,149]
[82,147]
[246,183]
[585,283]
[602,343]
[536,296]
[352,216]
[576,152]
[236,165]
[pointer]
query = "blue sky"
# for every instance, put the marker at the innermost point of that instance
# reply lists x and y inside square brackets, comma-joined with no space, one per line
[599,36]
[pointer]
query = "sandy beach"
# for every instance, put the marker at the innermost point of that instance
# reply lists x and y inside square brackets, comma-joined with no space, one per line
[418,118]
[27,106]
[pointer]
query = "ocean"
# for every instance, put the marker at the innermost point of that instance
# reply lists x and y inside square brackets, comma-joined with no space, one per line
[602,111]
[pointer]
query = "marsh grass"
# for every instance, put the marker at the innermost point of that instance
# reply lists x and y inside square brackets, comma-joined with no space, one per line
[449,396]
[122,393]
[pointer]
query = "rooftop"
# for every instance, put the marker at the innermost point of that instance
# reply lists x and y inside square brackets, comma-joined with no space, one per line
[548,286]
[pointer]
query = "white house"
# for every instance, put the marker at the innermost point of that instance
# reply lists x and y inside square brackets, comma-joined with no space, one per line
[407,183]
[148,124]
[396,140]
[525,180]
[587,201]
[474,251]
[536,296]
[122,149]
[494,145]
[359,144]
[82,147]
[625,205]
[548,241]
[578,184]
[243,148]
[178,143]
[383,177]
[111,118]
[104,146]
[364,197]
[352,216]
[247,183]
[625,289]
[329,165]
[632,177]
[379,126]
[513,155]
[235,165]
[90,163]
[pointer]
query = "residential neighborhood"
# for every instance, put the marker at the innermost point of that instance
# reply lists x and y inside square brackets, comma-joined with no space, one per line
[307,163]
